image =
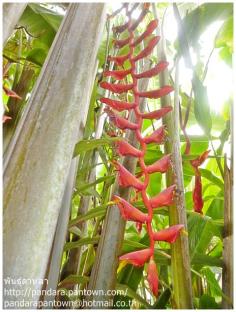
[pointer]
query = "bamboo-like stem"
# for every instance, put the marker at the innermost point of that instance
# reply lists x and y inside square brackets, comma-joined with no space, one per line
[180,261]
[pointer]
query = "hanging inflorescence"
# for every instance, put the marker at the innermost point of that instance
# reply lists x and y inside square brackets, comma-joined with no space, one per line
[124,148]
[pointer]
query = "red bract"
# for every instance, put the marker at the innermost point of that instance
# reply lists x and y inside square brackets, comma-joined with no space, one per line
[168,235]
[158,113]
[120,122]
[153,71]
[125,149]
[5,118]
[116,88]
[161,165]
[118,105]
[158,136]
[200,160]
[152,277]
[11,93]
[126,178]
[156,94]
[119,60]
[121,43]
[121,28]
[165,198]
[129,212]
[197,194]
[151,44]
[118,74]
[150,27]
[137,258]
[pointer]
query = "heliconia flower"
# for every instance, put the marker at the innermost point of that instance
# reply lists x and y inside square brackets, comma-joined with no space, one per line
[165,198]
[152,276]
[125,149]
[140,18]
[121,43]
[5,118]
[197,194]
[158,136]
[156,94]
[118,105]
[119,29]
[126,178]
[161,165]
[153,71]
[200,160]
[150,27]
[157,114]
[168,235]
[145,52]
[117,74]
[11,93]
[116,88]
[137,258]
[120,122]
[120,59]
[129,212]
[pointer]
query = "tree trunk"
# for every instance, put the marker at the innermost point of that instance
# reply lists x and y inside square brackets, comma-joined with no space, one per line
[38,161]
[11,15]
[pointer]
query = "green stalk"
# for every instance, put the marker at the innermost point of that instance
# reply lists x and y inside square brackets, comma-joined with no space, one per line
[180,261]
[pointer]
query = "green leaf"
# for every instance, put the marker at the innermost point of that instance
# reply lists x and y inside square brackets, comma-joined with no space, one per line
[87,145]
[208,302]
[37,56]
[212,178]
[81,242]
[133,295]
[201,105]
[163,299]
[73,280]
[99,211]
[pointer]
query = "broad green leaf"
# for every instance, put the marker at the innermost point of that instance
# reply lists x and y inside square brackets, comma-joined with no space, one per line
[87,145]
[203,260]
[99,211]
[81,242]
[208,302]
[212,178]
[201,105]
[163,299]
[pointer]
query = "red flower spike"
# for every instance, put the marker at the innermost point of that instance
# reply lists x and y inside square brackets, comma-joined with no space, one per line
[120,59]
[151,26]
[125,149]
[11,93]
[151,44]
[118,105]
[137,258]
[152,277]
[126,178]
[121,43]
[200,160]
[168,235]
[158,136]
[197,194]
[161,165]
[153,71]
[120,122]
[117,74]
[5,118]
[156,94]
[129,212]
[121,28]
[116,88]
[158,113]
[165,198]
